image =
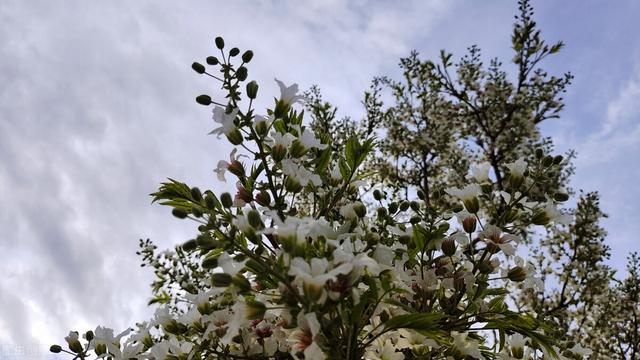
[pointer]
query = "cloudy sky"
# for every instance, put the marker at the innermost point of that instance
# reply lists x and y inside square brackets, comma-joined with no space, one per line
[96,109]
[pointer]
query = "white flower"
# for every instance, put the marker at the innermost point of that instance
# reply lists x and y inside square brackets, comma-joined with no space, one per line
[104,336]
[223,166]
[480,172]
[465,345]
[304,338]
[288,94]
[280,139]
[308,139]
[386,352]
[225,120]
[579,350]
[467,193]
[300,173]
[517,168]
[313,277]
[556,215]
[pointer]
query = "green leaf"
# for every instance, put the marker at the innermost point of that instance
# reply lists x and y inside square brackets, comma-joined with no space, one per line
[345,170]
[425,323]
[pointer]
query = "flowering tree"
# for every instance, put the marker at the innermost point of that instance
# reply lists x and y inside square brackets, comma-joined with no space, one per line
[330,251]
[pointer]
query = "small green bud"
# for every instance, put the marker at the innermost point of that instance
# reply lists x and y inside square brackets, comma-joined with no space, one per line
[241,283]
[278,152]
[226,200]
[101,349]
[254,219]
[292,185]
[212,60]
[517,274]
[540,217]
[382,212]
[457,208]
[89,335]
[235,137]
[189,245]
[263,198]
[421,194]
[203,100]
[486,267]
[252,89]
[206,242]
[557,159]
[210,201]
[472,205]
[547,161]
[255,310]
[196,194]
[393,207]
[414,206]
[210,262]
[247,56]
[236,168]
[55,349]
[469,224]
[560,197]
[234,52]
[414,220]
[220,43]
[449,247]
[197,67]
[242,73]
[179,213]
[220,280]
[539,153]
[404,206]
[360,209]
[297,149]
[377,194]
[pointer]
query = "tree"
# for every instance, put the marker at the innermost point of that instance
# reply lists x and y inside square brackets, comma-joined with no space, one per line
[368,240]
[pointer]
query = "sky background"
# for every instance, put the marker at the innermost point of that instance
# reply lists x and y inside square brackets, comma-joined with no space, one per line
[96,109]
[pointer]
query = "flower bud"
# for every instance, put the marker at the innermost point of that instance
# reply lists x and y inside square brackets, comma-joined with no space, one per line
[382,212]
[55,349]
[236,168]
[393,207]
[220,280]
[252,89]
[89,335]
[189,245]
[242,73]
[241,282]
[206,242]
[225,199]
[101,349]
[469,224]
[203,100]
[297,149]
[547,161]
[540,217]
[244,195]
[377,194]
[414,206]
[457,208]
[539,153]
[196,194]
[517,274]
[255,310]
[360,209]
[486,267]
[560,197]
[234,52]
[557,159]
[210,201]
[292,185]
[220,43]
[210,262]
[197,67]
[278,152]
[449,246]
[235,137]
[472,205]
[421,195]
[254,219]
[404,206]
[212,60]
[414,220]
[179,213]
[263,198]
[247,56]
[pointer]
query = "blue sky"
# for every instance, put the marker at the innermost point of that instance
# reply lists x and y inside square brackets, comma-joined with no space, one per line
[96,108]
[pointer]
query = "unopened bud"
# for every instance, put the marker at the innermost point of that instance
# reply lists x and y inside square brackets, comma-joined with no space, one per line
[241,282]
[244,195]
[263,198]
[393,207]
[414,205]
[252,89]
[225,199]
[539,153]
[557,159]
[235,137]
[255,310]
[212,60]
[220,280]
[360,209]
[210,201]
[547,161]
[540,218]
[472,205]
[101,349]
[517,274]
[197,67]
[247,56]
[89,335]
[196,194]
[220,43]
[278,152]
[414,220]
[55,349]
[449,246]
[298,149]
[560,197]
[292,185]
[469,224]
[236,168]
[457,208]
[234,52]
[242,73]
[421,195]
[486,267]
[189,245]
[382,212]
[404,206]
[254,219]
[210,262]
[179,213]
[203,100]
[377,194]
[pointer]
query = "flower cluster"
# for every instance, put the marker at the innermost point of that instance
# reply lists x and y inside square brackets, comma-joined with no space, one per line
[303,263]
